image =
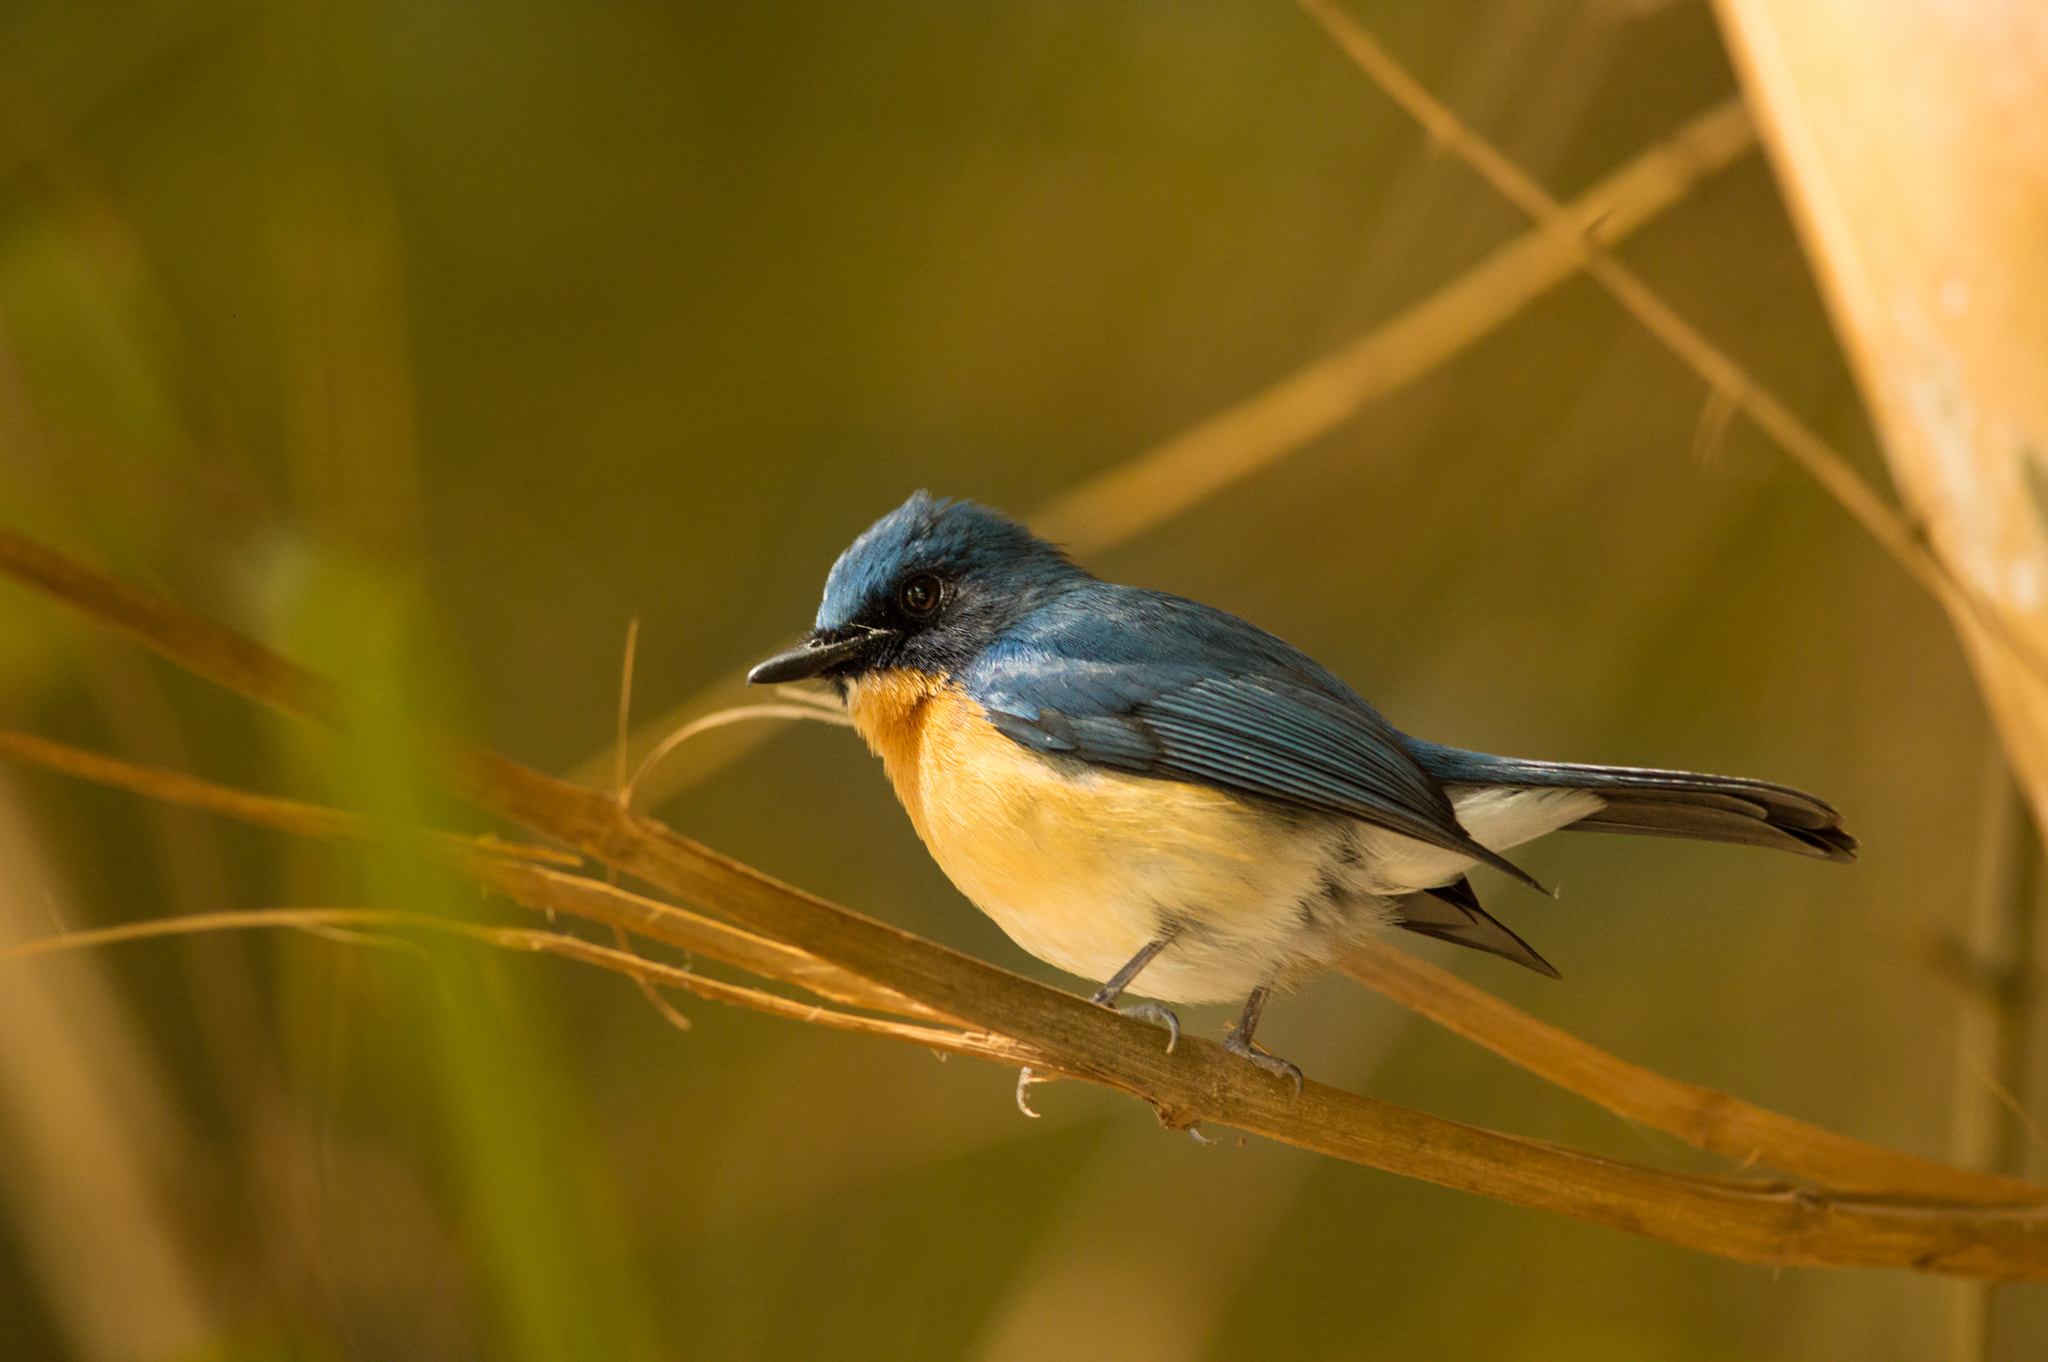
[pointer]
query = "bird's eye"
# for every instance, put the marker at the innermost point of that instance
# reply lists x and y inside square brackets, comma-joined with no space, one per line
[919,595]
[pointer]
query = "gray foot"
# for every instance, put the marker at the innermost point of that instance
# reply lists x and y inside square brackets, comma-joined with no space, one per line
[1237,1043]
[1151,1012]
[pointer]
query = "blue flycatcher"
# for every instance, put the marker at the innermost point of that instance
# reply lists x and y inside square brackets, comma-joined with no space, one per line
[1134,784]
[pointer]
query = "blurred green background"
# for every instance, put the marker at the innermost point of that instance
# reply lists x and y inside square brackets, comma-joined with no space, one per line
[435,341]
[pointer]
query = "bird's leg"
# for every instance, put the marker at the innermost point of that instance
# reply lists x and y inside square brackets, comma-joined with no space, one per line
[1239,1040]
[1107,995]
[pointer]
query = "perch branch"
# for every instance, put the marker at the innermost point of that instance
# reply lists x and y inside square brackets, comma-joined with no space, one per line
[524,939]
[1703,1117]
[1700,1116]
[491,862]
[1745,1220]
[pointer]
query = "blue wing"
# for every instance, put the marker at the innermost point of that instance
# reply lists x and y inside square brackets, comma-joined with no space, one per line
[1138,681]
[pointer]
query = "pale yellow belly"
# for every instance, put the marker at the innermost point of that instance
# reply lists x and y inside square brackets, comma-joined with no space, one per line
[1084,867]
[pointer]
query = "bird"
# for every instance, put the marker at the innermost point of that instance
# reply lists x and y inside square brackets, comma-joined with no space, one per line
[1152,793]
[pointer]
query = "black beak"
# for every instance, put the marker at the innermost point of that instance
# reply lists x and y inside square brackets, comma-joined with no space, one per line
[819,653]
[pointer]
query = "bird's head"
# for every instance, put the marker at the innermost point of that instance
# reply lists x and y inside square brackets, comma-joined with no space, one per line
[925,589]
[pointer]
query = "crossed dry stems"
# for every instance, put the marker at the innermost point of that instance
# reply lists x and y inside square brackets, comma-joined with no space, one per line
[1862,1205]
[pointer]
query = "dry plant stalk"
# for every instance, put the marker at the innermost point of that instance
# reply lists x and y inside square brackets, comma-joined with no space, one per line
[270,811]
[505,867]
[1701,1117]
[357,921]
[1127,500]
[1985,617]
[1019,1021]
[1909,139]
[1920,197]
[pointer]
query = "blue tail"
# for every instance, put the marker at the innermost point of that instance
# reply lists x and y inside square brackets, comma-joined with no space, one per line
[1662,803]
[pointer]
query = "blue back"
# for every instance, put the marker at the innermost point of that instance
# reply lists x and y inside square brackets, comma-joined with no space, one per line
[1134,680]
[1156,685]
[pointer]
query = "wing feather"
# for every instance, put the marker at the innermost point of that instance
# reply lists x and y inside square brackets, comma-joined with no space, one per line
[1245,714]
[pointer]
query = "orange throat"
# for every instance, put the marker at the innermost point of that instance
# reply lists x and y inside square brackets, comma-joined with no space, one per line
[890,710]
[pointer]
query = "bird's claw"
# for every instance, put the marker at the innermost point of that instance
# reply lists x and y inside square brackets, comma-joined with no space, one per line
[1152,1012]
[1235,1042]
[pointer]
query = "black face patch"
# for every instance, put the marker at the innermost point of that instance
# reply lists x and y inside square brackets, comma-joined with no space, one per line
[971,614]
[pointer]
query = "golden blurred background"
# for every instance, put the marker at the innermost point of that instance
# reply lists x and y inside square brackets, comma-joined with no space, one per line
[435,342]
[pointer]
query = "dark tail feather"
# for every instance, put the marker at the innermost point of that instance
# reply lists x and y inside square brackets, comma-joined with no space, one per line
[1663,803]
[1452,913]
